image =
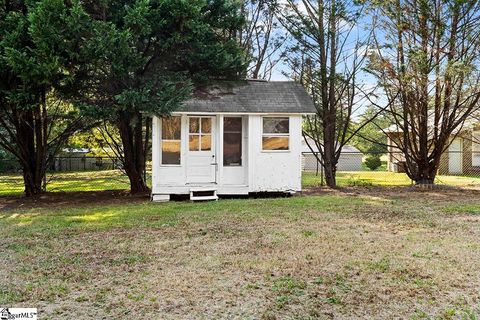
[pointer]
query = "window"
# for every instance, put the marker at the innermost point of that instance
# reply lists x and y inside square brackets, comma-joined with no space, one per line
[232,141]
[171,136]
[200,134]
[275,133]
[476,148]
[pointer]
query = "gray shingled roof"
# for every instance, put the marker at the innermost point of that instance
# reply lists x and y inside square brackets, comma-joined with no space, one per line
[250,96]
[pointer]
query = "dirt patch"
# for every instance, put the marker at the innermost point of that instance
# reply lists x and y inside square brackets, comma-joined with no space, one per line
[71,199]
[446,193]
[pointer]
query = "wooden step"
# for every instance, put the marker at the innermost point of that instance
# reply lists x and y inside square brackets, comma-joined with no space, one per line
[203,198]
[203,193]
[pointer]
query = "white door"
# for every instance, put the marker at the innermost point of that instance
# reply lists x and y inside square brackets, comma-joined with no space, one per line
[455,156]
[201,157]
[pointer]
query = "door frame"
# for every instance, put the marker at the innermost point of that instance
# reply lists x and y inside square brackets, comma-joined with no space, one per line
[233,175]
[213,152]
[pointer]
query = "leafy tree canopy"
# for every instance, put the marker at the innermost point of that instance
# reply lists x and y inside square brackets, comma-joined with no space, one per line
[371,137]
[34,122]
[144,55]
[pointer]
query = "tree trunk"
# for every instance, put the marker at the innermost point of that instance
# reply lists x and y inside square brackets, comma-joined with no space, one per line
[130,128]
[425,180]
[329,164]
[28,136]
[330,176]
[330,161]
[33,185]
[425,174]
[31,156]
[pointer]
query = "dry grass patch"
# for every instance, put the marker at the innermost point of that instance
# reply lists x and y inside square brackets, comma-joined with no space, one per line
[349,254]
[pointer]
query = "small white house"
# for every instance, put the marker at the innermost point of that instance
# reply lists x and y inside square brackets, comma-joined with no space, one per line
[350,158]
[232,138]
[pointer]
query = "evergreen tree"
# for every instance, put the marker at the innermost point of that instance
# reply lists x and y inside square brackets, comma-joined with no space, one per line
[34,123]
[147,56]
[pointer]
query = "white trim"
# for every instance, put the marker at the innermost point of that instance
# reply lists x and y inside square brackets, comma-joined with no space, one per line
[160,197]
[242,142]
[189,154]
[221,189]
[286,114]
[160,124]
[200,132]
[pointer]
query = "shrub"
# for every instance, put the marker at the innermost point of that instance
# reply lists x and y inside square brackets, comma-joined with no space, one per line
[373,162]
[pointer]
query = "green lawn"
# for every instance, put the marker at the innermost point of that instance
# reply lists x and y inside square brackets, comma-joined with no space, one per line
[69,182]
[370,255]
[115,180]
[385,178]
[363,178]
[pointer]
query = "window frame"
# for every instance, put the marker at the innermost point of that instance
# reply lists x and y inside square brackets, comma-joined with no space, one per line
[287,135]
[200,133]
[161,143]
[475,149]
[241,141]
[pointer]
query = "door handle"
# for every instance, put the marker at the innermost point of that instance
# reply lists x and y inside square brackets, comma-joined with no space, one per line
[214,163]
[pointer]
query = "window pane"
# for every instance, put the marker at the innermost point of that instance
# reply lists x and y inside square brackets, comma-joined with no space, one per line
[275,143]
[275,125]
[193,142]
[232,124]
[171,128]
[232,141]
[206,125]
[232,149]
[476,140]
[194,125]
[171,152]
[206,142]
[476,148]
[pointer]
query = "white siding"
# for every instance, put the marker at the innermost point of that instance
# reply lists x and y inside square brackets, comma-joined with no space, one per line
[269,171]
[275,170]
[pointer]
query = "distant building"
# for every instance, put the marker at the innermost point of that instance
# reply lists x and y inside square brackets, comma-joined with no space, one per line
[350,159]
[461,157]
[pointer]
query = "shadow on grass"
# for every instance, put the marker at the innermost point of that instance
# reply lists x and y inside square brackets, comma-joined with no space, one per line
[144,214]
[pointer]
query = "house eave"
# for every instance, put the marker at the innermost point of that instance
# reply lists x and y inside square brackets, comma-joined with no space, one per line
[239,113]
